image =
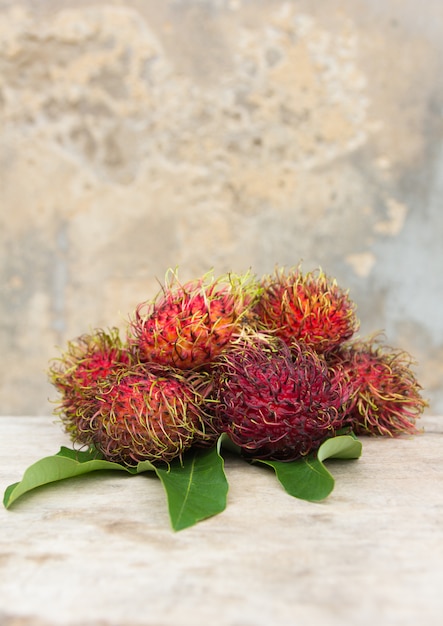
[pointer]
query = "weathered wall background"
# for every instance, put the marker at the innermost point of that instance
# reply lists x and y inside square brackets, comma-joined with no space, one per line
[140,135]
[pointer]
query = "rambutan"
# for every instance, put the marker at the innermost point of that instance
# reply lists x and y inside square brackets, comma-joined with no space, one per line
[87,361]
[188,325]
[149,413]
[385,397]
[275,402]
[134,412]
[308,307]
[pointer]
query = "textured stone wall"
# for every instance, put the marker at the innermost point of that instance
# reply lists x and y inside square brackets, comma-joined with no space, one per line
[141,135]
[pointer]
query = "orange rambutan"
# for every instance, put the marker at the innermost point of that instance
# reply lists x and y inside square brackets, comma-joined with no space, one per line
[188,325]
[306,307]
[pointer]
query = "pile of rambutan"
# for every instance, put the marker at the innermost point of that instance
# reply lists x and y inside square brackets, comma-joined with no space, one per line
[273,363]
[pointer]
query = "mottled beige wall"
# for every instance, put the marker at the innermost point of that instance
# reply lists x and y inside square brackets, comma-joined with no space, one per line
[140,135]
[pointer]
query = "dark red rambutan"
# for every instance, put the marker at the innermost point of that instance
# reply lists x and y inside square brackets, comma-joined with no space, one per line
[87,361]
[306,307]
[385,397]
[273,402]
[187,326]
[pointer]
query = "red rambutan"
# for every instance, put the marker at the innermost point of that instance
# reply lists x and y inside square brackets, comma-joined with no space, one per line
[150,413]
[187,326]
[308,307]
[385,397]
[273,402]
[134,412]
[88,360]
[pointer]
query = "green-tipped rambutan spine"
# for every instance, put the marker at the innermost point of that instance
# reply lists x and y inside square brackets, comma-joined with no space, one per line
[386,396]
[188,325]
[307,307]
[273,402]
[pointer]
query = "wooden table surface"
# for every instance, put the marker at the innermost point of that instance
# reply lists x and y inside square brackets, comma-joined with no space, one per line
[99,550]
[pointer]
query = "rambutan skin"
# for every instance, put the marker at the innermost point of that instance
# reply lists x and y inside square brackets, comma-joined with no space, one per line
[187,326]
[306,307]
[273,402]
[386,396]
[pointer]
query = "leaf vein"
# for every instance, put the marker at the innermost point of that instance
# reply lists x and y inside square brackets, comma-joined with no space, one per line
[188,491]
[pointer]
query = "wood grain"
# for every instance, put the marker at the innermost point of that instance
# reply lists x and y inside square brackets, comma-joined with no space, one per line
[99,550]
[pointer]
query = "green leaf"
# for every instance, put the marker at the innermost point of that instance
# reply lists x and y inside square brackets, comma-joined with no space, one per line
[308,478]
[65,464]
[341,447]
[196,489]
